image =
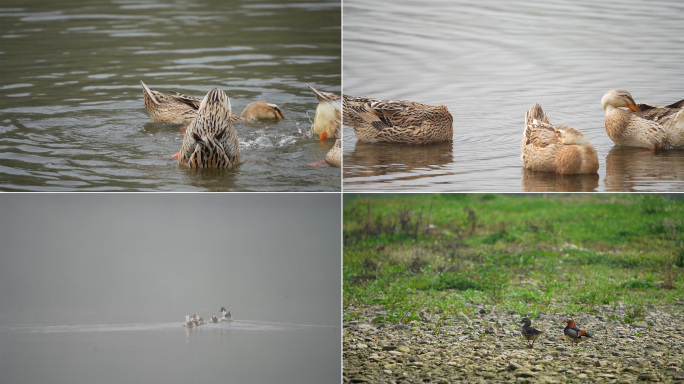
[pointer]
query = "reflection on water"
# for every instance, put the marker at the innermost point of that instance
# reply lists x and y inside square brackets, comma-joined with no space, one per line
[634,169]
[549,182]
[370,160]
[490,62]
[73,117]
[243,352]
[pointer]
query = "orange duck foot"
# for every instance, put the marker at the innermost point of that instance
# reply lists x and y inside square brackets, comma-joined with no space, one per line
[323,136]
[319,164]
[176,155]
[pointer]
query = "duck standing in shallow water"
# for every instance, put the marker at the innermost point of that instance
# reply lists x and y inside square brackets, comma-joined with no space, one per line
[561,150]
[328,118]
[397,121]
[643,125]
[182,109]
[226,315]
[210,141]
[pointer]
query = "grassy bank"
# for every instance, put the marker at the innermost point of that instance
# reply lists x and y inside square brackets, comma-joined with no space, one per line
[447,253]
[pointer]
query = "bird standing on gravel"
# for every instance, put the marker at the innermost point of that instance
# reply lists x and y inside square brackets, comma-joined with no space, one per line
[573,333]
[529,332]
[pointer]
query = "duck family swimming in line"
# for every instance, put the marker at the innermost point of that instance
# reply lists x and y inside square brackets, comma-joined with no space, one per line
[195,320]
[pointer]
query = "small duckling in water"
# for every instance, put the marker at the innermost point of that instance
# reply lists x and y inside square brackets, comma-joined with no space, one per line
[214,319]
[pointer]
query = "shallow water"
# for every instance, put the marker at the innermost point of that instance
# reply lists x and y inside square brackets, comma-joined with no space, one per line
[73,116]
[489,62]
[239,351]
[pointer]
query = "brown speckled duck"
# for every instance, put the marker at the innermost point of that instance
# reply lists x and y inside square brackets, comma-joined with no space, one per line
[573,333]
[210,140]
[529,332]
[561,150]
[328,118]
[397,121]
[182,109]
[643,125]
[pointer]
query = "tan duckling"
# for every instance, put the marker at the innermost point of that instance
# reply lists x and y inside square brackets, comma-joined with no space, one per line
[397,121]
[643,125]
[210,141]
[328,118]
[562,150]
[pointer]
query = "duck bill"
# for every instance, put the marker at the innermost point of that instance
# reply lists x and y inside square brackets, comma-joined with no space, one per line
[634,107]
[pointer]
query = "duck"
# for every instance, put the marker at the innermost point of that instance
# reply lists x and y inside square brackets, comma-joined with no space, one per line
[328,118]
[262,110]
[397,121]
[210,141]
[226,316]
[562,150]
[529,332]
[334,155]
[182,109]
[643,125]
[188,322]
[573,333]
[214,319]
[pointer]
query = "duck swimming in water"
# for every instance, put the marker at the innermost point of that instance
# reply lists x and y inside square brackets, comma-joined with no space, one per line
[210,141]
[188,322]
[214,319]
[328,117]
[182,109]
[226,315]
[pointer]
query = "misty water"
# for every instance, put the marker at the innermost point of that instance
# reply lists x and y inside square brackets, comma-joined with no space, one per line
[95,288]
[489,62]
[73,116]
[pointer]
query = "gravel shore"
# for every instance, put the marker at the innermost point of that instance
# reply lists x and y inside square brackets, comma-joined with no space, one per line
[486,346]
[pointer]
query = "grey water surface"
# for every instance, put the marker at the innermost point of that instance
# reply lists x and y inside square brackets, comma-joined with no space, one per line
[95,288]
[73,118]
[489,62]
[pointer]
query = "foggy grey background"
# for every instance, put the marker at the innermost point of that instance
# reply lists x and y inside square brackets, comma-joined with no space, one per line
[108,258]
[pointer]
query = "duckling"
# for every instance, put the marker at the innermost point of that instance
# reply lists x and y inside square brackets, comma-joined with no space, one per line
[561,150]
[214,319]
[573,333]
[328,118]
[397,121]
[210,141]
[262,110]
[529,332]
[334,155]
[645,126]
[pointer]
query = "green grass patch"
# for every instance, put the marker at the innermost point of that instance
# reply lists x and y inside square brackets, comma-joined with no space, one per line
[442,253]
